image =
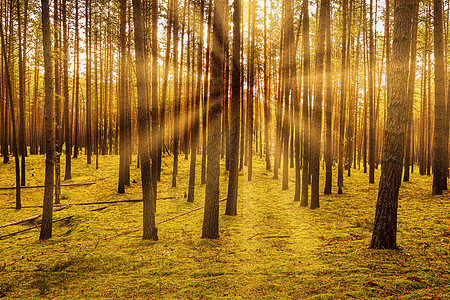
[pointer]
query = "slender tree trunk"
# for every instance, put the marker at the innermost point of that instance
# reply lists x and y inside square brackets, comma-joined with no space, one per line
[385,226]
[66,122]
[22,64]
[46,229]
[231,208]
[371,98]
[266,94]
[317,112]
[122,96]
[164,98]
[10,100]
[154,110]
[411,81]
[343,101]
[58,132]
[176,113]
[440,118]
[149,199]
[206,96]
[77,85]
[328,106]
[211,213]
[306,105]
[196,121]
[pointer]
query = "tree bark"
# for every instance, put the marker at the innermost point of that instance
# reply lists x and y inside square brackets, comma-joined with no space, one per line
[148,196]
[440,118]
[46,230]
[211,214]
[385,225]
[231,208]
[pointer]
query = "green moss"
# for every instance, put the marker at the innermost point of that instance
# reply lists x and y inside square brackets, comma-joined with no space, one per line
[273,248]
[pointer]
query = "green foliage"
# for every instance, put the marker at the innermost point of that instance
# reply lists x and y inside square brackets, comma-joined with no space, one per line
[272,249]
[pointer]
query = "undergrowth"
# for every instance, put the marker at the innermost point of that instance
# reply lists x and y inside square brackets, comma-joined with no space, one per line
[273,248]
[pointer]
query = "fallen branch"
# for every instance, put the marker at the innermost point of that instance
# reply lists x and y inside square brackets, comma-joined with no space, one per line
[168,166]
[94,202]
[96,241]
[41,185]
[30,228]
[276,236]
[32,217]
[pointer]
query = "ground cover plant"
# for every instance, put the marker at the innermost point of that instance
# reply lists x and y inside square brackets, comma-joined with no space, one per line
[273,248]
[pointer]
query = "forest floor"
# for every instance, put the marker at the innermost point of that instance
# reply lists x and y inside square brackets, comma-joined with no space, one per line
[273,248]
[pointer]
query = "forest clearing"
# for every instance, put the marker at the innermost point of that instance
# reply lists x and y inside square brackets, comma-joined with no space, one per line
[273,249]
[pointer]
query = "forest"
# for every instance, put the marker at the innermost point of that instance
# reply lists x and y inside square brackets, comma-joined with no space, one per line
[225,149]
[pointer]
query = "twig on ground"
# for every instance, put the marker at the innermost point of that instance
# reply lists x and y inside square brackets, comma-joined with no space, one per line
[32,217]
[41,185]
[30,228]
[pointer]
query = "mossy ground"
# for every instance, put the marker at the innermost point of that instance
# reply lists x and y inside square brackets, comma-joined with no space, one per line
[273,249]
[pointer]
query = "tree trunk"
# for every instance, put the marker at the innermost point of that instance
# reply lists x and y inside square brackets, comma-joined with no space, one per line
[122,96]
[66,122]
[306,105]
[206,96]
[196,109]
[231,208]
[371,98]
[343,100]
[46,229]
[316,131]
[385,225]
[328,107]
[440,118]
[148,196]
[211,213]
[411,81]
[10,100]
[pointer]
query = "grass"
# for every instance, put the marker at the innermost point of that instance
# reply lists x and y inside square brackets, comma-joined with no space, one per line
[273,249]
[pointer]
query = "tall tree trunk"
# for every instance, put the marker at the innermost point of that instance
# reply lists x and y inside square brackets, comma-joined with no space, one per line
[411,81]
[385,225]
[440,118]
[196,109]
[211,213]
[88,83]
[122,96]
[343,100]
[371,98]
[288,42]
[164,98]
[176,100]
[266,94]
[154,110]
[77,85]
[58,132]
[328,107]
[206,96]
[10,100]
[22,63]
[231,208]
[306,105]
[149,199]
[46,228]
[66,122]
[316,131]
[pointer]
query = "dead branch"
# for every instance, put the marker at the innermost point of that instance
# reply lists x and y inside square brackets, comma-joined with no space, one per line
[41,185]
[94,202]
[32,217]
[33,227]
[168,166]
